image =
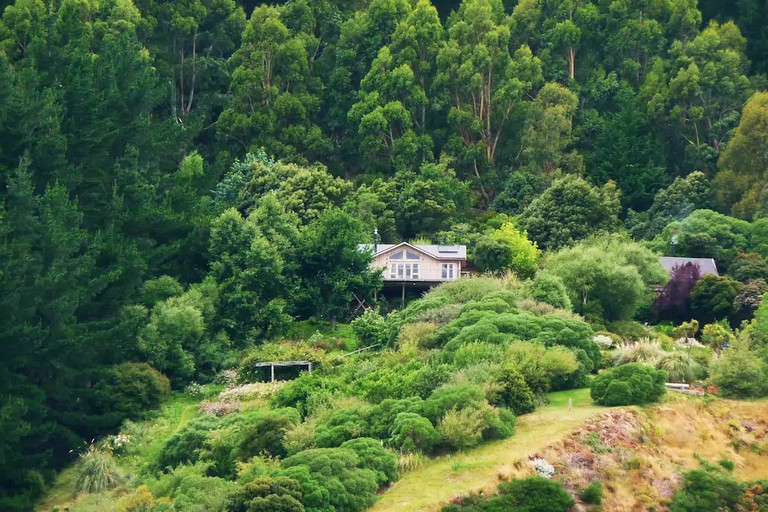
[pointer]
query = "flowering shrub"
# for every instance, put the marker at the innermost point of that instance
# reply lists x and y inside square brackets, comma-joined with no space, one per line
[604,341]
[119,443]
[194,389]
[220,409]
[252,391]
[543,468]
[226,377]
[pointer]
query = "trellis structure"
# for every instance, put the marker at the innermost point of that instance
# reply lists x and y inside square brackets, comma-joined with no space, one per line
[272,365]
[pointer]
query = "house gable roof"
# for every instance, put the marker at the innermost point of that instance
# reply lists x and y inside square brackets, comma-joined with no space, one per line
[439,252]
[706,265]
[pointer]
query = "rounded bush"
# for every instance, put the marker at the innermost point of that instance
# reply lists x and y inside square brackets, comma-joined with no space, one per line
[184,446]
[133,388]
[265,434]
[630,384]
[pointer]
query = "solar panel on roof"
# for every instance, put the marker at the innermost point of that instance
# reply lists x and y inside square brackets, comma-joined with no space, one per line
[448,248]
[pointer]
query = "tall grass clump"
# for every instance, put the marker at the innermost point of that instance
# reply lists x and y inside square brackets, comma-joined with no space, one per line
[680,366]
[643,351]
[97,470]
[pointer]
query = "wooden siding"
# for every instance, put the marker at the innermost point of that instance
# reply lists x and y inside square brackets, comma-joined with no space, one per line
[430,269]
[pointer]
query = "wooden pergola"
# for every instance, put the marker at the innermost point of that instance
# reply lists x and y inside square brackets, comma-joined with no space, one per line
[272,365]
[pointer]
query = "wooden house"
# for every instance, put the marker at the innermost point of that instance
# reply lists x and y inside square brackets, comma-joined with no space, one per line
[404,263]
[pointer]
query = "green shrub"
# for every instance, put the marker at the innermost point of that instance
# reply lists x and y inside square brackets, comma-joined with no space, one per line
[412,432]
[461,429]
[191,490]
[500,425]
[592,494]
[477,352]
[740,373]
[535,494]
[279,494]
[512,392]
[629,329]
[462,291]
[632,383]
[342,425]
[492,254]
[331,479]
[372,455]
[453,396]
[265,433]
[370,328]
[418,334]
[550,289]
[707,489]
[132,389]
[184,446]
[382,416]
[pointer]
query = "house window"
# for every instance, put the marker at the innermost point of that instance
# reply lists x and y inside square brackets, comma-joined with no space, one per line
[411,256]
[449,270]
[397,256]
[403,271]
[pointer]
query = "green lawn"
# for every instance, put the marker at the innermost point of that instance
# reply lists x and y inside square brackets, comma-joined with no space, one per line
[442,478]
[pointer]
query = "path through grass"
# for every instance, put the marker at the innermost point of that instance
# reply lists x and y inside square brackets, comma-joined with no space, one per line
[442,478]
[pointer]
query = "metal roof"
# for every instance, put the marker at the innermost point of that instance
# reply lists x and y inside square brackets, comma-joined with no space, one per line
[706,265]
[440,252]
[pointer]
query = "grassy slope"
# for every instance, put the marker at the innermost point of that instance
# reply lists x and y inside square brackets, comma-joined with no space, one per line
[149,437]
[445,477]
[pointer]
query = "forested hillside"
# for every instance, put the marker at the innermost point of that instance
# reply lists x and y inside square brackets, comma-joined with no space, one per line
[183,181]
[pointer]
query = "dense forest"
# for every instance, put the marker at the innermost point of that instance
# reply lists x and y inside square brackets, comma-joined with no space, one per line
[181,181]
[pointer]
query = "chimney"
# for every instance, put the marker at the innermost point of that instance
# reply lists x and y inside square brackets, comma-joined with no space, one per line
[375,240]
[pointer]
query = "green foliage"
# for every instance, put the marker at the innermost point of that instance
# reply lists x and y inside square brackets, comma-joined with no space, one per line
[370,328]
[534,494]
[462,429]
[507,248]
[569,211]
[267,494]
[333,267]
[132,389]
[680,367]
[342,424]
[706,234]
[97,470]
[412,432]
[740,373]
[679,200]
[629,384]
[129,130]
[513,392]
[452,396]
[592,494]
[607,278]
[331,478]
[372,455]
[184,446]
[712,298]
[743,162]
[708,488]
[248,270]
[549,288]
[264,434]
